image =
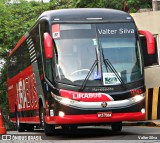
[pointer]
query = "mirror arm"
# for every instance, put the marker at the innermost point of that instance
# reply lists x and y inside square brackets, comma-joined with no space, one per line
[150,41]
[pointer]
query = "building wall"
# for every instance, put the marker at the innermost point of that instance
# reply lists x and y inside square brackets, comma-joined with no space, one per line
[151,21]
[148,21]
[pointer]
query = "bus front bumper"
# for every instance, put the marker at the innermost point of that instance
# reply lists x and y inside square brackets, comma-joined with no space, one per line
[93,118]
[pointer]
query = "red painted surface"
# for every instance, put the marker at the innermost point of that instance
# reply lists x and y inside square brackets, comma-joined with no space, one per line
[86,97]
[136,91]
[56,31]
[18,44]
[22,92]
[27,120]
[150,41]
[48,46]
[92,118]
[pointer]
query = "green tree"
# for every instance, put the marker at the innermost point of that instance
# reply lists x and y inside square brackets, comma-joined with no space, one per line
[15,20]
[126,5]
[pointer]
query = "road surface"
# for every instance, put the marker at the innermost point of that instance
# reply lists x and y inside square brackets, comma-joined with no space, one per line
[90,134]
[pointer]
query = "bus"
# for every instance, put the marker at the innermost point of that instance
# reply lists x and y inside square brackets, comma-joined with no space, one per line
[78,67]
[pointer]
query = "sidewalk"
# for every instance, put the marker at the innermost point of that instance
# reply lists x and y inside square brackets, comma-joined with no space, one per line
[155,123]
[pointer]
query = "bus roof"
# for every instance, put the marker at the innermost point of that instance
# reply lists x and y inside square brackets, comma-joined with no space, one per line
[81,15]
[85,14]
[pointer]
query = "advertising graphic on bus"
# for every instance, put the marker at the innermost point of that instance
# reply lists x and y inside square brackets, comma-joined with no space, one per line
[78,67]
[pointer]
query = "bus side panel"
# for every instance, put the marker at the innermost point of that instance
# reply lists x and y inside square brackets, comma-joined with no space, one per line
[23,96]
[12,96]
[39,82]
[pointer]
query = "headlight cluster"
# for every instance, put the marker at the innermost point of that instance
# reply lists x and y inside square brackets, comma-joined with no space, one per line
[65,100]
[138,98]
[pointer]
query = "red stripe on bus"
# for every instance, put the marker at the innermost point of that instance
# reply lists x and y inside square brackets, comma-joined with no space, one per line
[92,118]
[87,118]
[29,119]
[18,44]
[13,120]
[85,96]
[34,119]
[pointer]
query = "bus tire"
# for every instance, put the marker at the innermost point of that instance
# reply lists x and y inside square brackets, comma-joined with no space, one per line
[20,127]
[117,126]
[49,130]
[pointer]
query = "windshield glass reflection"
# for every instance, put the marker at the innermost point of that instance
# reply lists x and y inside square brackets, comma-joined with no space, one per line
[77,46]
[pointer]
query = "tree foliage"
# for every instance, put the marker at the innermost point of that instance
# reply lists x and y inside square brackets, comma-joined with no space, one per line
[19,17]
[126,5]
[15,19]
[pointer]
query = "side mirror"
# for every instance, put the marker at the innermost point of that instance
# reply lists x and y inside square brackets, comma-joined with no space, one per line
[150,41]
[48,45]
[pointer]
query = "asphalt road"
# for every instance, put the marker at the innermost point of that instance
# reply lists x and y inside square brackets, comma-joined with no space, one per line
[90,134]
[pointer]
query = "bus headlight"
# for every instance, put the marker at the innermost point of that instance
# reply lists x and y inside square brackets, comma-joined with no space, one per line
[61,114]
[143,110]
[138,98]
[68,101]
[65,100]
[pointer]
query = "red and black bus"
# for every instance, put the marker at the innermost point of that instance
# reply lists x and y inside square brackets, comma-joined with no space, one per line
[78,67]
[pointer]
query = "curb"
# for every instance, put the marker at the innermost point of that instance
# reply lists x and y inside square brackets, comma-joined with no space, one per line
[143,123]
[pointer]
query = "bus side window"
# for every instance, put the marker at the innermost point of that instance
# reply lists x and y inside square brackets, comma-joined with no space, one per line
[36,41]
[12,67]
[23,56]
[19,60]
[149,60]
[44,27]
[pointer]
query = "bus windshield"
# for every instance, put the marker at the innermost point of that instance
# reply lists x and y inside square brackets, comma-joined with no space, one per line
[78,46]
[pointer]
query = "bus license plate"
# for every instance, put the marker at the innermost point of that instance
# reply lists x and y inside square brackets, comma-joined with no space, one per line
[104,114]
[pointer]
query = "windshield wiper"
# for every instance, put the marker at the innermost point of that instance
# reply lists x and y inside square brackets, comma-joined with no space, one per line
[88,75]
[109,66]
[90,72]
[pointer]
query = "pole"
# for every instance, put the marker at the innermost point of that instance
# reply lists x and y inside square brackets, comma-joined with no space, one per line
[155,5]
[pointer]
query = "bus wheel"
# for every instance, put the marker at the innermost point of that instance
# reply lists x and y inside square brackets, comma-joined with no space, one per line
[117,126]
[49,130]
[20,127]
